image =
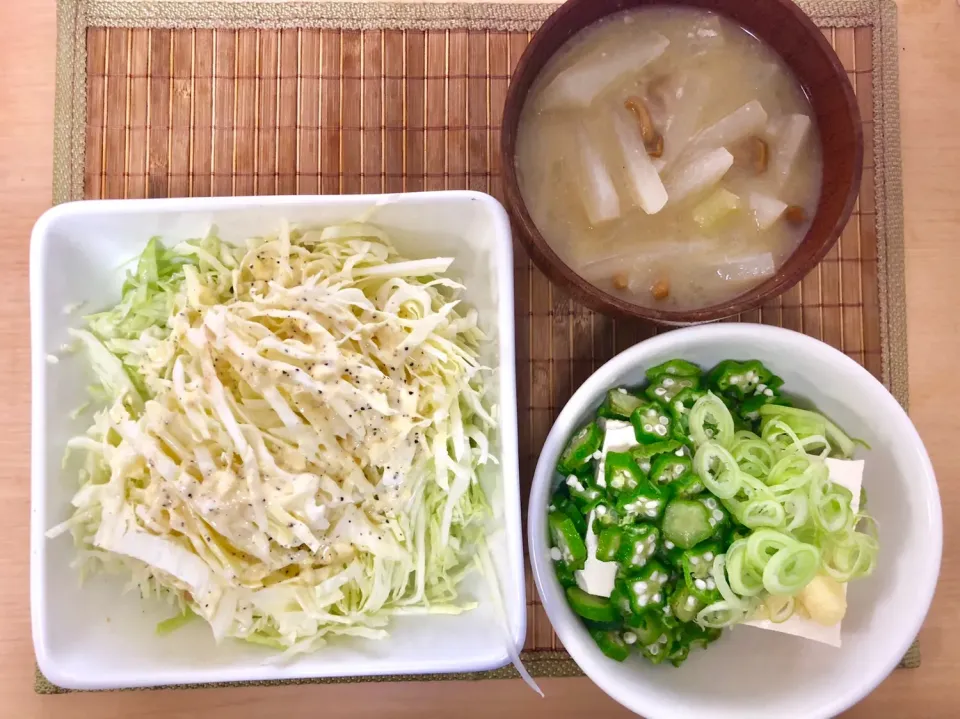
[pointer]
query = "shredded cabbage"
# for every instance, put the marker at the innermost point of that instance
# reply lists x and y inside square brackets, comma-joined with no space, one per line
[292,436]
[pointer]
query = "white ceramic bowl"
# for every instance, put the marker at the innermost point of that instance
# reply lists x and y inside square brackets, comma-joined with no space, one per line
[94,637]
[750,673]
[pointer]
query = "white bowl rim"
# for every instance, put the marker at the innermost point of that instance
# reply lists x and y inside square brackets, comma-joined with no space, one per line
[572,634]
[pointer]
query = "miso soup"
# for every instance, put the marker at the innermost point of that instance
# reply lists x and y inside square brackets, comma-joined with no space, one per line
[669,157]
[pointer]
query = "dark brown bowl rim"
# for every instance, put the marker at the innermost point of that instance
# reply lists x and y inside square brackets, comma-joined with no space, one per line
[558,272]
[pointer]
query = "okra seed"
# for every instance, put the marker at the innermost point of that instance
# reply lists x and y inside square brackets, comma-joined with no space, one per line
[621,390]
[667,611]
[662,639]
[678,470]
[669,545]
[555,554]
[679,452]
[735,379]
[711,584]
[711,503]
[768,392]
[657,597]
[708,556]
[661,430]
[761,387]
[694,561]
[700,584]
[645,466]
[647,428]
[629,637]
[717,515]
[713,522]
[643,600]
[659,391]
[654,649]
[664,419]
[640,587]
[691,602]
[667,382]
[601,510]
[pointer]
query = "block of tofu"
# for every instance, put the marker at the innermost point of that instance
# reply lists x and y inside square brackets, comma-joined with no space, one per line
[618,436]
[847,473]
[596,577]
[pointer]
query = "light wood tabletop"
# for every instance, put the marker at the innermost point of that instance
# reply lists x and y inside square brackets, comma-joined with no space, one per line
[930,106]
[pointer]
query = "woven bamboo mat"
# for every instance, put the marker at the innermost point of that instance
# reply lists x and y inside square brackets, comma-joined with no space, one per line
[169,98]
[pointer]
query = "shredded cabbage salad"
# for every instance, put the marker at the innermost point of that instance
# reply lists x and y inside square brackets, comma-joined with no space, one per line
[291,436]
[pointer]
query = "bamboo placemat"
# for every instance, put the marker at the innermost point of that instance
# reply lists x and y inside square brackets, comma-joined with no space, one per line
[170,98]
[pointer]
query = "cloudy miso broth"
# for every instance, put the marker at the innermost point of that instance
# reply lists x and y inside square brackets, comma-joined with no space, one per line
[669,157]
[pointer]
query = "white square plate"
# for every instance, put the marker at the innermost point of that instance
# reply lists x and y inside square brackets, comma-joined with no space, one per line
[94,637]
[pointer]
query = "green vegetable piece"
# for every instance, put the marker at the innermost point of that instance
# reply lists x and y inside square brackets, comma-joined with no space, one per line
[665,388]
[648,627]
[649,451]
[669,468]
[679,653]
[168,626]
[684,605]
[564,574]
[608,543]
[750,407]
[619,404]
[605,514]
[657,653]
[590,606]
[704,590]
[570,508]
[697,637]
[670,553]
[611,643]
[679,410]
[621,472]
[689,485]
[651,423]
[739,380]
[582,492]
[580,449]
[686,523]
[566,538]
[698,562]
[637,546]
[645,502]
[646,588]
[620,598]
[674,368]
[720,518]
[806,423]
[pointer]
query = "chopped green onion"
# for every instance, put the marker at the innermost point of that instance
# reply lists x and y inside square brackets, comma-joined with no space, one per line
[791,569]
[717,469]
[711,420]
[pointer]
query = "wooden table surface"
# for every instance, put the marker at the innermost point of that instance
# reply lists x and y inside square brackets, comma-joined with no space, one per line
[930,106]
